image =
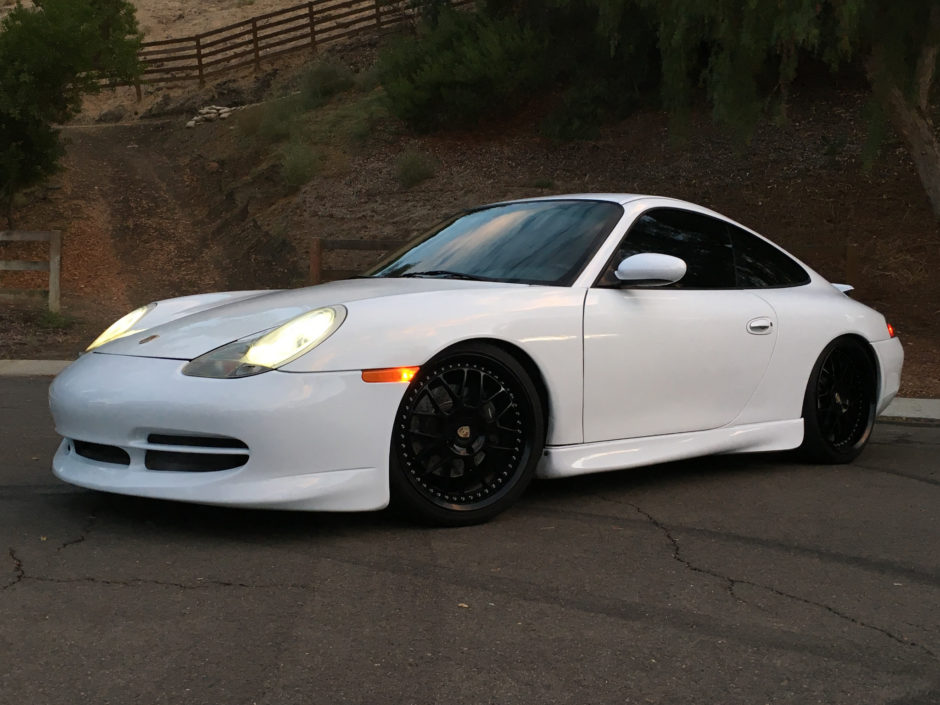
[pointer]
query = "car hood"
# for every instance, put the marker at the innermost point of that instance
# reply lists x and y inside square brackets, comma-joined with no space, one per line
[194,334]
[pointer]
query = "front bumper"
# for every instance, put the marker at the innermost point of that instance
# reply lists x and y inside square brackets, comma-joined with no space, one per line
[315,441]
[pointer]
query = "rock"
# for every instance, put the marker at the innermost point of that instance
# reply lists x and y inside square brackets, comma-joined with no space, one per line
[191,123]
[212,167]
[229,91]
[165,105]
[160,107]
[115,114]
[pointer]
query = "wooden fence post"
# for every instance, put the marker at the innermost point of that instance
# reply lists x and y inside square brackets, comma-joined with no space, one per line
[202,78]
[55,268]
[313,28]
[140,96]
[316,260]
[254,44]
[378,14]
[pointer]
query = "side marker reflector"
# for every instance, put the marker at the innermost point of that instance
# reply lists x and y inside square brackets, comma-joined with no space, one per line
[390,374]
[891,330]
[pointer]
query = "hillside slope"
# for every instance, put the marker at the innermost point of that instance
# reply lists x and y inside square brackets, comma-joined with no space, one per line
[152,209]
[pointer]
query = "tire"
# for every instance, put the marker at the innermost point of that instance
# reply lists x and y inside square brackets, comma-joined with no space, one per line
[467,438]
[839,404]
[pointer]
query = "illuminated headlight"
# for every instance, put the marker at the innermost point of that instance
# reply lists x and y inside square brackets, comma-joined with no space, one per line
[123,326]
[270,350]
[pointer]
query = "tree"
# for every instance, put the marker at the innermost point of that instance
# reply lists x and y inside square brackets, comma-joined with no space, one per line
[50,56]
[747,54]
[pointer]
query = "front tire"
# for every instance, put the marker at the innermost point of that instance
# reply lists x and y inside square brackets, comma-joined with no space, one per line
[467,438]
[839,404]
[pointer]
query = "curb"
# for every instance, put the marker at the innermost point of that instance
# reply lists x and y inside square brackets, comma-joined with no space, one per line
[32,368]
[899,409]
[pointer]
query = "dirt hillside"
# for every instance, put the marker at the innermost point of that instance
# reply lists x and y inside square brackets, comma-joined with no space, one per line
[152,209]
[167,19]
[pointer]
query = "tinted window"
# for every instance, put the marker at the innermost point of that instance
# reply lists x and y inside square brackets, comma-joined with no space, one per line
[702,242]
[759,264]
[537,242]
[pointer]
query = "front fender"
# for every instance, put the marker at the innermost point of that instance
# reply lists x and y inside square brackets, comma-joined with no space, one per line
[408,330]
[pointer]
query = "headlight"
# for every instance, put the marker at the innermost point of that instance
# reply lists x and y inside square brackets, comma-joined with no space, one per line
[270,350]
[121,327]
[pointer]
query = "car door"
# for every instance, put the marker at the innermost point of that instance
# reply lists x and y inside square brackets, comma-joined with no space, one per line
[684,357]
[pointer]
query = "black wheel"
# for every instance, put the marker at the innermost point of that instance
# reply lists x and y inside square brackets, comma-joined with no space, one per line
[467,438]
[839,405]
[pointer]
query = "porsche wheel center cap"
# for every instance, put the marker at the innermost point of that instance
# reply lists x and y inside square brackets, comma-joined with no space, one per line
[463,432]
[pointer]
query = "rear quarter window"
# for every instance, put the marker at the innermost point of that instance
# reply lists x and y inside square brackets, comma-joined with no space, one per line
[760,265]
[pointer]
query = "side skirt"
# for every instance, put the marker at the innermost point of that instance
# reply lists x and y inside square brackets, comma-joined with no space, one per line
[565,461]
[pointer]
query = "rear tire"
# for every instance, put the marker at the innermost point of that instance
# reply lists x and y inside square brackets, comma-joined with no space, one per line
[839,404]
[467,438]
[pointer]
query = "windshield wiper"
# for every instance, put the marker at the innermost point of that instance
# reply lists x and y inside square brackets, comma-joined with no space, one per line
[443,273]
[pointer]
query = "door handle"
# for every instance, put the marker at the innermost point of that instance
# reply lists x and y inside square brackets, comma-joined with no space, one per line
[760,326]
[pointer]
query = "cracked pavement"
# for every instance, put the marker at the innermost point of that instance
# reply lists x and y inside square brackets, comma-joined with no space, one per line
[738,579]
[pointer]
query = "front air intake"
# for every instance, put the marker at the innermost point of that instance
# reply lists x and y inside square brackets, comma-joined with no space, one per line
[186,453]
[102,453]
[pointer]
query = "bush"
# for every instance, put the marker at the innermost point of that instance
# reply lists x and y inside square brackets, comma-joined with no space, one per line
[248,121]
[465,67]
[413,167]
[278,118]
[51,320]
[584,107]
[361,125]
[322,81]
[299,164]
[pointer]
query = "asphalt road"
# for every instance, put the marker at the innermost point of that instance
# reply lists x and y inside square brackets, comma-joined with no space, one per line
[727,580]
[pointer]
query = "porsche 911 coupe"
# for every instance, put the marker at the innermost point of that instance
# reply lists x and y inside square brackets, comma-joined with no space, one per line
[537,338]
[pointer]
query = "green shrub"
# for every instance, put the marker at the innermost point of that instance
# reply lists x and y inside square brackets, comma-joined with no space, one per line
[322,81]
[367,80]
[465,67]
[360,126]
[278,118]
[299,164]
[248,121]
[413,167]
[579,113]
[345,122]
[50,320]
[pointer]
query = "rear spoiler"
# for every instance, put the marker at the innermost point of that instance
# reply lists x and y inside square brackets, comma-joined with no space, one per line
[844,288]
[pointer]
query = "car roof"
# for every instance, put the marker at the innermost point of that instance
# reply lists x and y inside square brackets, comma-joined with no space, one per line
[621,198]
[624,198]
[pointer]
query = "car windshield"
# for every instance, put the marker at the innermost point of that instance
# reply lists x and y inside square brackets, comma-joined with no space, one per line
[533,242]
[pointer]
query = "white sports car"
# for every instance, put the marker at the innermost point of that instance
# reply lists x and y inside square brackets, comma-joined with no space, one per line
[546,337]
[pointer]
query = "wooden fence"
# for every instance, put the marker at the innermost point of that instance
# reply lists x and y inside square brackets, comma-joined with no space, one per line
[303,27]
[319,246]
[53,265]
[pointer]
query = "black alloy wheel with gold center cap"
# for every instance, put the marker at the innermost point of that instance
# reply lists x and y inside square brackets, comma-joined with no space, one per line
[467,437]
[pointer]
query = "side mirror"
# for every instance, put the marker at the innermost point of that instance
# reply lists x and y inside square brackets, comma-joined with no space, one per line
[650,269]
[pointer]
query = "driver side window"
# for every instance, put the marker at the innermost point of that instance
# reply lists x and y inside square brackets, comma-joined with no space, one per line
[702,242]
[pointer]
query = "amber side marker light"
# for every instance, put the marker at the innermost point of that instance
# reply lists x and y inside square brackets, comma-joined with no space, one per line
[390,374]
[891,332]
